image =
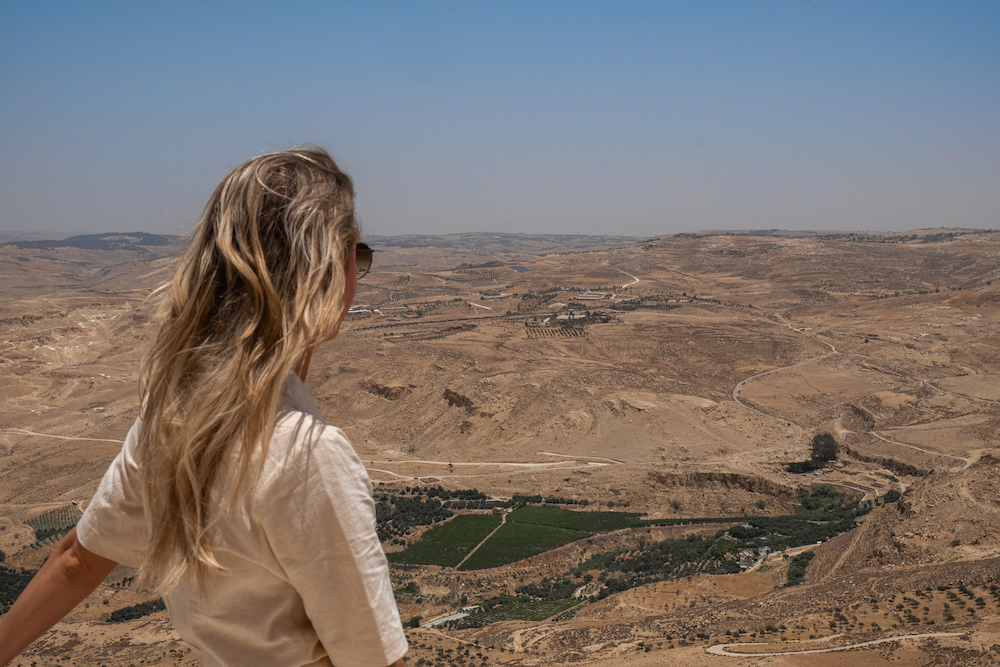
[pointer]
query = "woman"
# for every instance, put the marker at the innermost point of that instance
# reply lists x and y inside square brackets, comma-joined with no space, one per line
[252,517]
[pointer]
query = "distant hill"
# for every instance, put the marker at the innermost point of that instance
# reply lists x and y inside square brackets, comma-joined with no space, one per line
[502,242]
[38,235]
[108,241]
[929,235]
[494,242]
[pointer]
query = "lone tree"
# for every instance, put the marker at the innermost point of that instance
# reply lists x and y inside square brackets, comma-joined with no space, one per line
[824,447]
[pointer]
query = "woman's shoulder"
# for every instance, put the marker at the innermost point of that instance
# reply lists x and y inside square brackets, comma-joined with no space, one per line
[311,458]
[303,443]
[301,431]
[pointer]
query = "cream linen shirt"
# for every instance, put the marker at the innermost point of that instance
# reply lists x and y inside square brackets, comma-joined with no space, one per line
[307,580]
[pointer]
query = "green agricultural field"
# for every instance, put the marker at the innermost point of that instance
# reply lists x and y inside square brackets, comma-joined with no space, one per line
[531,530]
[448,543]
[516,541]
[516,608]
[590,522]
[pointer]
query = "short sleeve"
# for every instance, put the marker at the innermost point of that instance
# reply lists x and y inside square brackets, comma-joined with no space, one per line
[114,524]
[320,522]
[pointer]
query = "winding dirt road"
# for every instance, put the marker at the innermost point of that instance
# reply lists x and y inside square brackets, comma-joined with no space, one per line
[726,649]
[968,462]
[739,386]
[634,279]
[796,431]
[930,383]
[503,467]
[60,437]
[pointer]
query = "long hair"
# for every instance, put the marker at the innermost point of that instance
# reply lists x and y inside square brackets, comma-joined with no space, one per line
[260,284]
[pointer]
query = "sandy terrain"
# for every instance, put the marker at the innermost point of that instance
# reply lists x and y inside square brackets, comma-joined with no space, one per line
[454,377]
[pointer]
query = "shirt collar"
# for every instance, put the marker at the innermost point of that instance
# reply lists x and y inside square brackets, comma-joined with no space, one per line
[296,395]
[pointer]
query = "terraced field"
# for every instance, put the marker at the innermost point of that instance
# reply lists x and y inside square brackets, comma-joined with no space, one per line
[450,542]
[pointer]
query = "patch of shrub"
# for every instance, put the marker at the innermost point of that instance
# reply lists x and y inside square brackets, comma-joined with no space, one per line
[797,568]
[137,610]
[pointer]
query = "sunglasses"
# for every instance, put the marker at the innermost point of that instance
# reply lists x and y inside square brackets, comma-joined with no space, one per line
[363,258]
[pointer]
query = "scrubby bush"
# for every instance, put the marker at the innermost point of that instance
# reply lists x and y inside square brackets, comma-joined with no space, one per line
[797,568]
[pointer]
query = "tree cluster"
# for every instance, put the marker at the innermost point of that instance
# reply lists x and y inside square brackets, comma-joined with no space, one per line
[42,533]
[398,512]
[12,582]
[820,516]
[797,568]
[548,589]
[410,589]
[555,500]
[824,447]
[892,496]
[396,516]
[454,494]
[137,610]
[669,559]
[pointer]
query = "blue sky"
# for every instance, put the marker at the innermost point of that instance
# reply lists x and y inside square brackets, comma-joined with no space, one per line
[637,118]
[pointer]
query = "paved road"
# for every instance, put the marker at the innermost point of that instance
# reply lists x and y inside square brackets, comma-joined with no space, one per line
[445,619]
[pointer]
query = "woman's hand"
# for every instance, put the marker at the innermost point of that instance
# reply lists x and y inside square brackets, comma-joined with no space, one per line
[69,575]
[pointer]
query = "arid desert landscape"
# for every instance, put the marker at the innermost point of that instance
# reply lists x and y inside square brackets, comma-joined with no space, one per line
[526,387]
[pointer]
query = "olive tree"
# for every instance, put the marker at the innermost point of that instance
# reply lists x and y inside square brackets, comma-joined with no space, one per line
[824,447]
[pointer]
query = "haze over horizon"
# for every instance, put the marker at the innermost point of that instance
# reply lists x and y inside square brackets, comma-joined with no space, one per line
[560,117]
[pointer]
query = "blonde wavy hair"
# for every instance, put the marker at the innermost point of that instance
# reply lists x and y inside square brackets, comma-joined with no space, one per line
[260,284]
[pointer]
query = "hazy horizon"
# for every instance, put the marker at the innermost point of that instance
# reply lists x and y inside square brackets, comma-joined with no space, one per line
[643,119]
[15,236]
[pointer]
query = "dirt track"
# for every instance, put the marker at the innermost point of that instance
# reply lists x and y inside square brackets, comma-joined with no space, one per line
[727,649]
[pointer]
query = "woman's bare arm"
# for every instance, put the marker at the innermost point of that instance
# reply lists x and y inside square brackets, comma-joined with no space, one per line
[69,575]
